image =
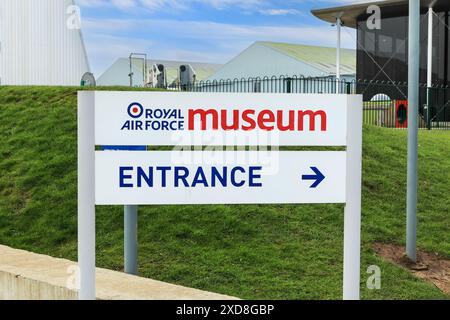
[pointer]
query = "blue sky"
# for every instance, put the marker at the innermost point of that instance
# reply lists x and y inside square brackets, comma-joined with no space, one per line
[199,30]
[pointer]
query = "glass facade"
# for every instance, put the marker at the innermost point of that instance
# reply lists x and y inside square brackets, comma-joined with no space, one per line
[382,56]
[387,49]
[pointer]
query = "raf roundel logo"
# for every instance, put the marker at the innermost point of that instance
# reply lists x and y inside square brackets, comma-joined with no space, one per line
[135,110]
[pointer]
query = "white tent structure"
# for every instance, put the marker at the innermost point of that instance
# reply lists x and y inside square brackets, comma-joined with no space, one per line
[267,59]
[41,43]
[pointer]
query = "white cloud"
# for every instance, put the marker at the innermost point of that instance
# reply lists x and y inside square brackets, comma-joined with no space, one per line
[344,2]
[256,5]
[208,30]
[153,5]
[204,41]
[103,49]
[92,3]
[124,4]
[221,4]
[207,41]
[280,12]
[164,4]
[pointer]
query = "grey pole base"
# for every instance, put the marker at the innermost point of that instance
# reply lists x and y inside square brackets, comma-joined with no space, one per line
[130,239]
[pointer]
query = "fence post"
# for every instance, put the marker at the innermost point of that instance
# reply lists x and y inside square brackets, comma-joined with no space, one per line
[348,87]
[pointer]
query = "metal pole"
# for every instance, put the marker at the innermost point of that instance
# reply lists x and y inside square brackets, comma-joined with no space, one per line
[352,213]
[430,48]
[145,71]
[130,239]
[413,107]
[130,213]
[86,195]
[130,222]
[430,63]
[131,70]
[338,55]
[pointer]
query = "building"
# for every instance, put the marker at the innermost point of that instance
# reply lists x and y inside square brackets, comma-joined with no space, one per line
[261,60]
[40,44]
[386,47]
[119,73]
[382,56]
[268,59]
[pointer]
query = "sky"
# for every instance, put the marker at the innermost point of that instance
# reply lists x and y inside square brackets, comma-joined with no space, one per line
[212,31]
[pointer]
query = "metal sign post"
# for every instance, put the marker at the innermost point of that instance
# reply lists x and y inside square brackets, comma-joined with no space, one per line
[413,128]
[201,177]
[352,215]
[86,195]
[130,239]
[130,222]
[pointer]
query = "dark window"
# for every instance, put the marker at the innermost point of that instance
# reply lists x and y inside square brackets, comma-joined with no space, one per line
[382,55]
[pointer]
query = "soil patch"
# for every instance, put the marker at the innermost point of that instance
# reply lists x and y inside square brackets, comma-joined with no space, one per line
[429,266]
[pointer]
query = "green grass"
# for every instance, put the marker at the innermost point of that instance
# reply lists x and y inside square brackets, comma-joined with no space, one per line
[253,252]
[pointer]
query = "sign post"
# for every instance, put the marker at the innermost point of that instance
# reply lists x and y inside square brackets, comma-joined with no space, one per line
[130,239]
[352,213]
[86,195]
[219,177]
[130,223]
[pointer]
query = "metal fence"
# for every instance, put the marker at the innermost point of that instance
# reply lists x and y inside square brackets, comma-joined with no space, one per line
[280,84]
[385,103]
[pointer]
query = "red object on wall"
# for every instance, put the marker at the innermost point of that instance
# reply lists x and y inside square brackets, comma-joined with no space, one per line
[401,114]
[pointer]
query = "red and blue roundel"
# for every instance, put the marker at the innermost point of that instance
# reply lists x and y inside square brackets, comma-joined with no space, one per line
[135,110]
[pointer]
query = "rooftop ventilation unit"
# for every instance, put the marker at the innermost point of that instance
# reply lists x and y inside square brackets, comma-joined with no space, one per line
[157,76]
[186,76]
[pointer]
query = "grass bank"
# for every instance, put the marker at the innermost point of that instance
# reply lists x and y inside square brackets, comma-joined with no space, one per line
[250,251]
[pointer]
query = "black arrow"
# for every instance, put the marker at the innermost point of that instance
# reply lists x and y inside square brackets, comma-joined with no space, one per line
[318,177]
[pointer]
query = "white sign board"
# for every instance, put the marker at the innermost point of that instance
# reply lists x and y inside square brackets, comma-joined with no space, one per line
[211,176]
[166,177]
[169,118]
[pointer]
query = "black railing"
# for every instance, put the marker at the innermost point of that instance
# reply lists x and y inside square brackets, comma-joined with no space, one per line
[385,103]
[282,84]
